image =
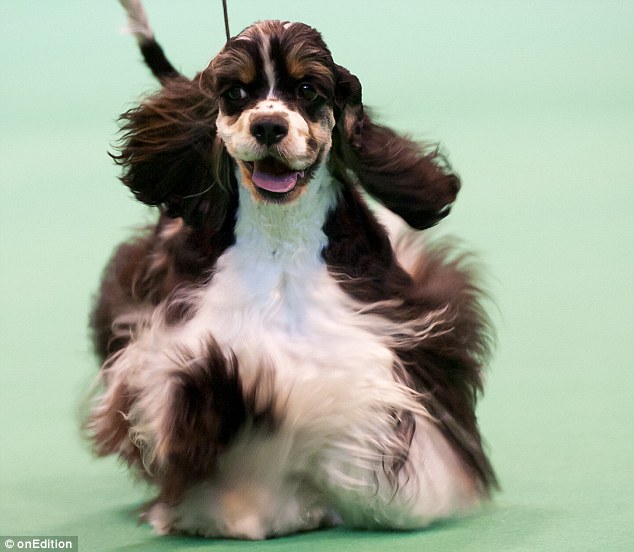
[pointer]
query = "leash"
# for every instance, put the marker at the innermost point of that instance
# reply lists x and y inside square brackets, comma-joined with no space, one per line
[226,14]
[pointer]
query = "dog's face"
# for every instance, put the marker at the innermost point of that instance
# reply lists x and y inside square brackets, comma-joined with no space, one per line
[276,86]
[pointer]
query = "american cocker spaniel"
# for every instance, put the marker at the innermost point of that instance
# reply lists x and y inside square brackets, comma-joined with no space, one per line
[273,359]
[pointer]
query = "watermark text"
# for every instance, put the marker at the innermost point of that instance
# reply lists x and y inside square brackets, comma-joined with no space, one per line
[15,543]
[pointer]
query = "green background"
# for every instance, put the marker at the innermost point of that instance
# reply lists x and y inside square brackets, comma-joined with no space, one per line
[534,102]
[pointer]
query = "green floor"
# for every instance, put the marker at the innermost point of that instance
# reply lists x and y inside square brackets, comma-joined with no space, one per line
[534,101]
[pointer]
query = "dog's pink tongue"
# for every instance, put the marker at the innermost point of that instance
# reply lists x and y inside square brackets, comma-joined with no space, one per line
[275,183]
[274,176]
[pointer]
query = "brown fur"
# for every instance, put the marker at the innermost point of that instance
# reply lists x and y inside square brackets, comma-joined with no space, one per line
[208,407]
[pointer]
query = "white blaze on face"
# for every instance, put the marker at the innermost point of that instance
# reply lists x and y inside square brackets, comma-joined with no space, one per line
[269,69]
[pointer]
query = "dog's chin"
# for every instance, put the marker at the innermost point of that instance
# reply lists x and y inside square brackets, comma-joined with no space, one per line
[272,181]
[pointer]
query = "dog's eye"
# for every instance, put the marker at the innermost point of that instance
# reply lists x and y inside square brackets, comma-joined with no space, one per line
[236,93]
[307,91]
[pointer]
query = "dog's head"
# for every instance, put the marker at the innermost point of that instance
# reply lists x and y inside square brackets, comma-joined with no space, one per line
[277,88]
[274,105]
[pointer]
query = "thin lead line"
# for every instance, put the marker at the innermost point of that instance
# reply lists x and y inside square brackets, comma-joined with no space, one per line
[224,9]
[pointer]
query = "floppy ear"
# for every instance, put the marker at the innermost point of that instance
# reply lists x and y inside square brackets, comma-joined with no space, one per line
[171,155]
[410,179]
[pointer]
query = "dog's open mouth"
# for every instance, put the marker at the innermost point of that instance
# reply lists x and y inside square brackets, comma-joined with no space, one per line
[274,179]
[274,176]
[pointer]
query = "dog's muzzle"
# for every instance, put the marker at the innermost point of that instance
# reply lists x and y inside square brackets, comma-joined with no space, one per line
[271,174]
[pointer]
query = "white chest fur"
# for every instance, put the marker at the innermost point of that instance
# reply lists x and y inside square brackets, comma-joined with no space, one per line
[273,303]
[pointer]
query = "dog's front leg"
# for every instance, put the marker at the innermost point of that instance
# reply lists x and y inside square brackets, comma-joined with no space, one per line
[168,409]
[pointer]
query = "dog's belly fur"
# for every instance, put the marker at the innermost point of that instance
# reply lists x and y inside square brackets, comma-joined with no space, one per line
[322,367]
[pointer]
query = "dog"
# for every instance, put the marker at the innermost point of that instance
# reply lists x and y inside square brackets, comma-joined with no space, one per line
[274,360]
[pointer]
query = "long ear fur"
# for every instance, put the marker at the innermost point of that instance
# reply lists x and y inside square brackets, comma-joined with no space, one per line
[171,155]
[411,180]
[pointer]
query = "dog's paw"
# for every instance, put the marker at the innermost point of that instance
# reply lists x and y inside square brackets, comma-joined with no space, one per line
[247,513]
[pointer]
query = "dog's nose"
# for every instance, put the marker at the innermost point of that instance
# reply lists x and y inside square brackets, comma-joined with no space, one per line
[269,130]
